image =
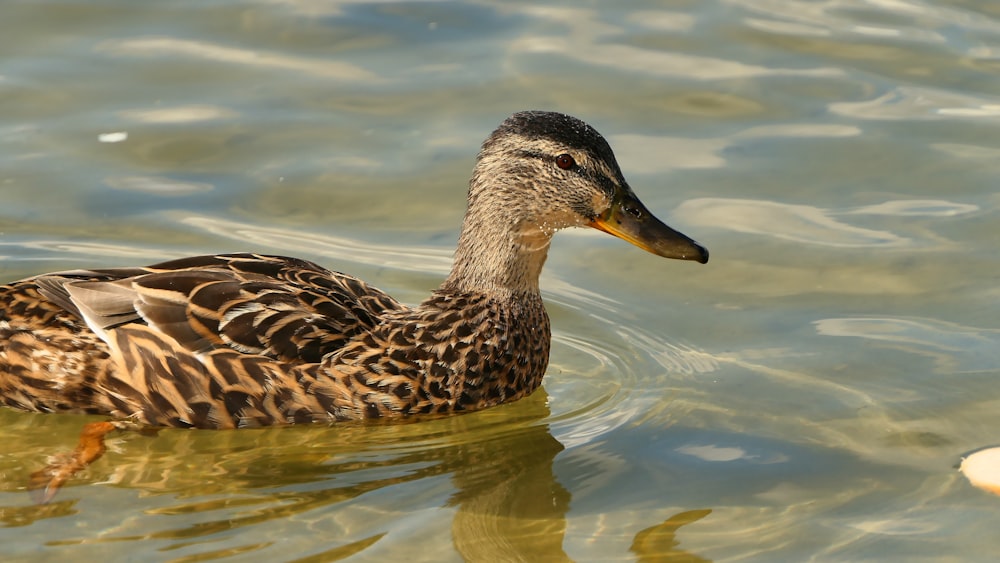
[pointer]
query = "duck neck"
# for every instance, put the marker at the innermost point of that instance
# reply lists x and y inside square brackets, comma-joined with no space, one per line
[498,256]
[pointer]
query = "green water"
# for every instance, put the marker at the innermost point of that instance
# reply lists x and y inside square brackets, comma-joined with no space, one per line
[805,396]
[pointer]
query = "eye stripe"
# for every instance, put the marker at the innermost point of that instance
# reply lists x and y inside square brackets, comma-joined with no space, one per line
[596,174]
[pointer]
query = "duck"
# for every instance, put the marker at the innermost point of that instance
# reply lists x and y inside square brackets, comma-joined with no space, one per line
[247,340]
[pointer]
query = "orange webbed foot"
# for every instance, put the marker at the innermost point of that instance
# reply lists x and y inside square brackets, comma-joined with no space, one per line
[45,483]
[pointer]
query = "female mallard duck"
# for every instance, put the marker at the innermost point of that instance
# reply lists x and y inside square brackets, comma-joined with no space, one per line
[245,340]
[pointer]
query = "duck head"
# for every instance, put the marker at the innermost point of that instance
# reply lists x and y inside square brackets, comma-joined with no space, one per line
[539,172]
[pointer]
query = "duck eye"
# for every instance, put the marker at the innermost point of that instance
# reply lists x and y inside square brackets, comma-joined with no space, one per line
[565,161]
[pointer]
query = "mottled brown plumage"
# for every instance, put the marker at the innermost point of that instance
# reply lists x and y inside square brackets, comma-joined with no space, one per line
[245,340]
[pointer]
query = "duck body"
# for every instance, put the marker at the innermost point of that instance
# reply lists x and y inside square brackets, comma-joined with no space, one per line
[247,340]
[239,340]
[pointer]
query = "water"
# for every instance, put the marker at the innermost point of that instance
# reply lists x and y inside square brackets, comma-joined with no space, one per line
[805,396]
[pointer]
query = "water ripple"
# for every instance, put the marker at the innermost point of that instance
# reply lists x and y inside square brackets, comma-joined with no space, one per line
[650,154]
[913,103]
[427,259]
[156,185]
[954,348]
[915,208]
[194,113]
[912,21]
[77,250]
[799,223]
[159,46]
[587,42]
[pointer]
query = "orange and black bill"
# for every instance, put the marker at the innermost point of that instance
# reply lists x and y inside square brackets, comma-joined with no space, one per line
[629,220]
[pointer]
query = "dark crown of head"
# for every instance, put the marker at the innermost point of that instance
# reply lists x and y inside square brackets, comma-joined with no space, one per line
[560,128]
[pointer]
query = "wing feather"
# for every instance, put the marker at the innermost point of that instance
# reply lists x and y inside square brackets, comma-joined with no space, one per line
[283,308]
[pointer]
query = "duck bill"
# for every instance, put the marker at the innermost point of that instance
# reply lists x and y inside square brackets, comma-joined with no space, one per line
[629,220]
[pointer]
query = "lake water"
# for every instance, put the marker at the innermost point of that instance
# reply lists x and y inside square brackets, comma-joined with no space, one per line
[807,395]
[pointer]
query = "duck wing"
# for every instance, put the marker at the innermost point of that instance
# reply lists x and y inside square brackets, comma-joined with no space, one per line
[287,309]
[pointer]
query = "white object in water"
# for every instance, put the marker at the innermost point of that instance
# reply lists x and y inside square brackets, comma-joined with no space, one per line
[982,469]
[116,137]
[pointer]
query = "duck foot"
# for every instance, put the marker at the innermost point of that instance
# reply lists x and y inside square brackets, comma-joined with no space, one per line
[45,483]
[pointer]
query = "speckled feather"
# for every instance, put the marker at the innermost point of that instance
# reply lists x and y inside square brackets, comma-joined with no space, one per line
[247,340]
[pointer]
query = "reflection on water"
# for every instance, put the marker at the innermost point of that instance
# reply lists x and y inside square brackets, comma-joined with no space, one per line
[811,225]
[953,348]
[799,223]
[648,154]
[80,248]
[659,544]
[587,42]
[168,46]
[156,185]
[337,248]
[179,114]
[925,104]
[346,482]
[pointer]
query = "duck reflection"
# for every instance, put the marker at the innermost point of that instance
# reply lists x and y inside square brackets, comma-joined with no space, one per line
[658,544]
[507,502]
